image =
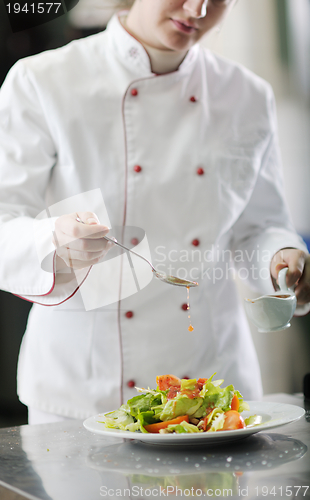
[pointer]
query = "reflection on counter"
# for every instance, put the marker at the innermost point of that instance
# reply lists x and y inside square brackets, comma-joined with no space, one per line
[220,484]
[200,470]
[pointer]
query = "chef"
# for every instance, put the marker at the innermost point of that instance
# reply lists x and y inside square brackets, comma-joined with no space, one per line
[139,130]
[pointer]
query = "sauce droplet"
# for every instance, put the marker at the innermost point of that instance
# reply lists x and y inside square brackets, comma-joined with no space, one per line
[190,328]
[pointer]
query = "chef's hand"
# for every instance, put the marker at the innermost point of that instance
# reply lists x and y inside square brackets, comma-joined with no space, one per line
[298,263]
[79,245]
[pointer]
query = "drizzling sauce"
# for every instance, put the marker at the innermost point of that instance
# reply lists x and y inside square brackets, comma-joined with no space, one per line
[190,328]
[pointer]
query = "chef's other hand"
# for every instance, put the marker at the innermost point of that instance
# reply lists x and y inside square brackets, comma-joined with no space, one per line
[298,263]
[79,245]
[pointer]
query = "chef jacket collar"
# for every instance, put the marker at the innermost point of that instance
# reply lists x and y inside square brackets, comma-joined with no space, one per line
[134,55]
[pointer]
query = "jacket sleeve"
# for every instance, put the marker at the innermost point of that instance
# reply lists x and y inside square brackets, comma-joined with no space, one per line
[27,157]
[265,226]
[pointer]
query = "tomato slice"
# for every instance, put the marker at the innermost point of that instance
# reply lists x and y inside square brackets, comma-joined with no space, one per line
[201,382]
[173,391]
[155,428]
[233,420]
[164,382]
[235,403]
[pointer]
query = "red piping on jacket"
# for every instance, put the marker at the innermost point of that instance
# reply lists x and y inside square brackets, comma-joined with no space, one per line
[53,286]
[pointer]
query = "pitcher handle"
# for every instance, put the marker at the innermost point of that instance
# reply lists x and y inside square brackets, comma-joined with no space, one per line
[282,281]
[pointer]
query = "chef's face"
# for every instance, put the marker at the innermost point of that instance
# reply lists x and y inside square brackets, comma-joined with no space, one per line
[176,25]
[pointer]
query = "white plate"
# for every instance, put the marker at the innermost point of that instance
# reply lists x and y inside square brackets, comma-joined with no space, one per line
[273,415]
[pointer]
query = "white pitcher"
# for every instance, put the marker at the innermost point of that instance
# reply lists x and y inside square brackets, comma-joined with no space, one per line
[271,313]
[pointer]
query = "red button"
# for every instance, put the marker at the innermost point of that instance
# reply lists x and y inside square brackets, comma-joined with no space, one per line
[129,314]
[137,168]
[134,241]
[200,171]
[131,383]
[134,92]
[184,307]
[193,99]
[195,243]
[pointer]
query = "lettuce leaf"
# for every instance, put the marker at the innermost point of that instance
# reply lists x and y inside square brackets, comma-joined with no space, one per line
[118,419]
[163,394]
[220,398]
[188,384]
[216,397]
[142,403]
[209,383]
[134,427]
[181,405]
[217,422]
[183,428]
[253,420]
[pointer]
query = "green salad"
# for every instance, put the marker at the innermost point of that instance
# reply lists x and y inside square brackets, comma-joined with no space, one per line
[182,406]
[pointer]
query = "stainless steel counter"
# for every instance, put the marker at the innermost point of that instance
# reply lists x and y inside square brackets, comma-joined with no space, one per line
[63,461]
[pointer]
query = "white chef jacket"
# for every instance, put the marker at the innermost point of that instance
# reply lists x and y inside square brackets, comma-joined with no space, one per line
[80,119]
